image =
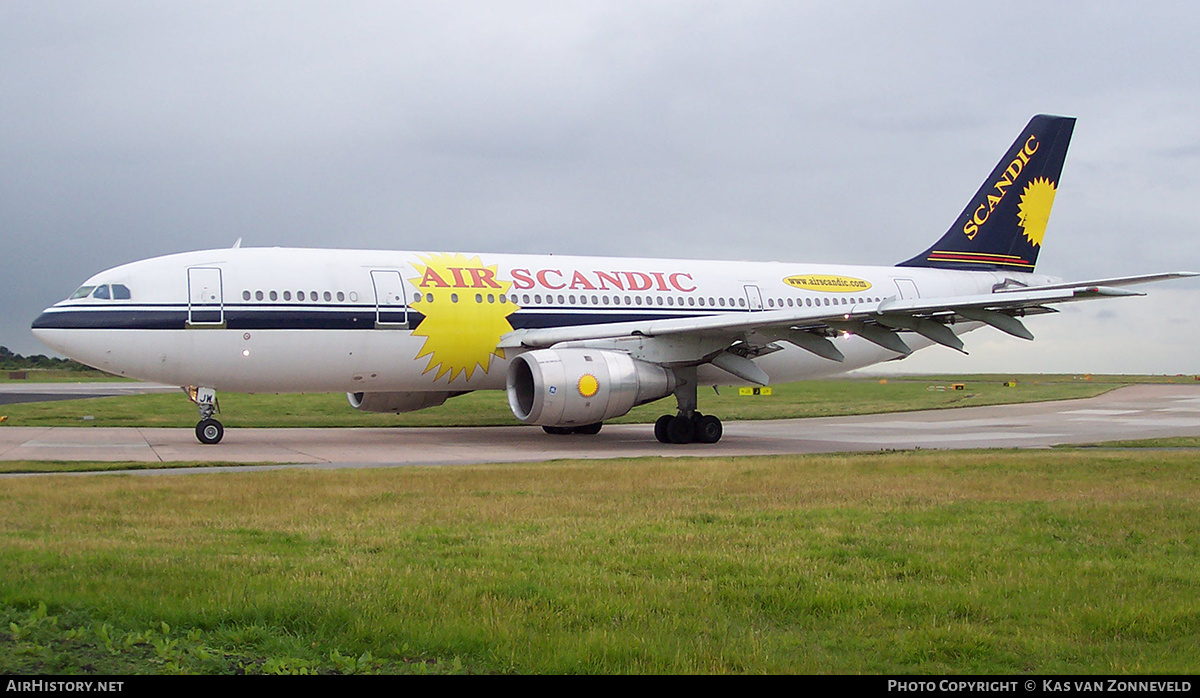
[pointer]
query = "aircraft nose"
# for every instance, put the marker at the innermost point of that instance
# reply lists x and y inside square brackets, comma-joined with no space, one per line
[45,321]
[46,328]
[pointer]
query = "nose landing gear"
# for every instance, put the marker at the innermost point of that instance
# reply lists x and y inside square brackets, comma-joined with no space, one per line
[208,430]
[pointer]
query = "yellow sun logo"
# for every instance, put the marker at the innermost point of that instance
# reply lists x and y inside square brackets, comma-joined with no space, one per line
[466,309]
[588,385]
[1034,210]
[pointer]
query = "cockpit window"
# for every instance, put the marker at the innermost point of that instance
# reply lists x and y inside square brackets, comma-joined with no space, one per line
[104,292]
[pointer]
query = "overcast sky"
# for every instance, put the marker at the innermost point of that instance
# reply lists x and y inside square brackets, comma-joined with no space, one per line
[799,131]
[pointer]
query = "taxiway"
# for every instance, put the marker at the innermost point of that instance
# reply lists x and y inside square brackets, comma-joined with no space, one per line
[1134,412]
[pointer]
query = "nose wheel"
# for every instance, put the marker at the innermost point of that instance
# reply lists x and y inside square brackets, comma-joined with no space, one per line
[208,430]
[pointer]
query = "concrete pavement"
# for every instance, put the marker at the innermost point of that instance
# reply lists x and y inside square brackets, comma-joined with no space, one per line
[1134,412]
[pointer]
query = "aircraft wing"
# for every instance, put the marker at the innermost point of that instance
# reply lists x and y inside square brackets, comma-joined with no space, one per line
[810,327]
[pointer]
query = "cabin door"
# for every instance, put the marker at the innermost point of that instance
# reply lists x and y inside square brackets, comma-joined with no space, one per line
[907,288]
[391,302]
[754,297]
[206,305]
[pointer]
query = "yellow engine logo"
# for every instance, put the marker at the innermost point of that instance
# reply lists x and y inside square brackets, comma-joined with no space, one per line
[588,385]
[822,282]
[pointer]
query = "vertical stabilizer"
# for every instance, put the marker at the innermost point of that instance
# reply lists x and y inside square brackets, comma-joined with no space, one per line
[1003,226]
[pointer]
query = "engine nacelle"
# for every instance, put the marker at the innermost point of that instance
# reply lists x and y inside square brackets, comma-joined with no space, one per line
[575,387]
[396,402]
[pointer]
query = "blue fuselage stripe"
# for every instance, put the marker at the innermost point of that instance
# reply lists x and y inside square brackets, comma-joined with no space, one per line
[345,318]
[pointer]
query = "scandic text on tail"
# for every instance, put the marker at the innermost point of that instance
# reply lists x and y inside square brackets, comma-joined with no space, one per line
[1003,226]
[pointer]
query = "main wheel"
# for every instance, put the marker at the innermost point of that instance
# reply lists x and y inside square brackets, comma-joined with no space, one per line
[557,431]
[660,429]
[588,429]
[681,430]
[209,431]
[708,429]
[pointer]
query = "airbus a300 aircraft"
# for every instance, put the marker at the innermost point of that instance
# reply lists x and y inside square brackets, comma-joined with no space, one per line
[574,340]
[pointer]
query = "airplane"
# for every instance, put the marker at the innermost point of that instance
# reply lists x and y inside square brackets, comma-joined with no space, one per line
[575,341]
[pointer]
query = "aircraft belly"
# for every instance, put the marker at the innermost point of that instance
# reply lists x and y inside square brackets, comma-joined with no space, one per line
[271,360]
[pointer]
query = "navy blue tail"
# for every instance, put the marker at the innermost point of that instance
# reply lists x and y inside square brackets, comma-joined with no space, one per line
[1003,226]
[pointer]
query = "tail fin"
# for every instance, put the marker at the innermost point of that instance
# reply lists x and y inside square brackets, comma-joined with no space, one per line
[1003,226]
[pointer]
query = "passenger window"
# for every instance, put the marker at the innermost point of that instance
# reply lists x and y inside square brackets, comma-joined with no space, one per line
[287,295]
[299,295]
[341,296]
[274,296]
[258,295]
[245,295]
[328,296]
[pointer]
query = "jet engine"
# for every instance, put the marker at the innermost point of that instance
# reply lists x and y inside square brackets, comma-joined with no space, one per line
[578,387]
[397,402]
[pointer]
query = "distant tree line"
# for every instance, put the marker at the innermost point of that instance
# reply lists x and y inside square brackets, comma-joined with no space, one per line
[10,361]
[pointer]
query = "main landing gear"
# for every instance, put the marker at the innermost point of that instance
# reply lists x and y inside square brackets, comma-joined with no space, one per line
[684,429]
[688,425]
[208,430]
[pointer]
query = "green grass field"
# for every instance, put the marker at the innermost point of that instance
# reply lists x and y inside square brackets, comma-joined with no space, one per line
[1073,561]
[804,399]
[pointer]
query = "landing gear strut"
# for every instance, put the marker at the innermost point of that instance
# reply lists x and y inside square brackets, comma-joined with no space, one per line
[688,425]
[208,430]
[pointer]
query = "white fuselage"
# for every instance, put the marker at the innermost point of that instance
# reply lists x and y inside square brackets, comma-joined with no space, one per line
[313,320]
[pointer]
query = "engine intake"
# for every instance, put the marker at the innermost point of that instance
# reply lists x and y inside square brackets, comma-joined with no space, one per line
[575,387]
